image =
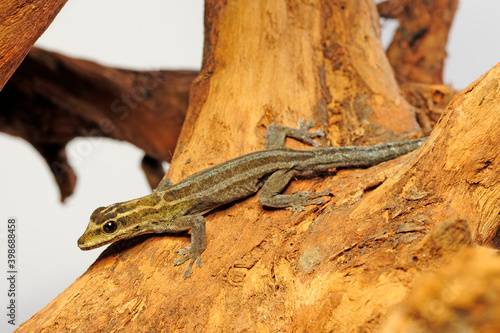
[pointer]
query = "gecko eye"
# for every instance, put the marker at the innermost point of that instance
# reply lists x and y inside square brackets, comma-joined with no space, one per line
[110,227]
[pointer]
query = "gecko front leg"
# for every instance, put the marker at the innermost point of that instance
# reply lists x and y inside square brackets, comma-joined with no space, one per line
[270,194]
[197,225]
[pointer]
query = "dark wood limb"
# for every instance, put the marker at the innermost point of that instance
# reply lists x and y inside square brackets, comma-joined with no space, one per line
[417,52]
[52,99]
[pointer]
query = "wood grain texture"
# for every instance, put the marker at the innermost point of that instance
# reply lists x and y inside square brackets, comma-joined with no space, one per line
[342,266]
[276,62]
[463,295]
[429,100]
[21,23]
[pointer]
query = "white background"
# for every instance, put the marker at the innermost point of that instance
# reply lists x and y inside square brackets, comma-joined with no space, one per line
[150,35]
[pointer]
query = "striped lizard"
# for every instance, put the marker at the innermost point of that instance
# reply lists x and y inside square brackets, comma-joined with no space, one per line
[180,207]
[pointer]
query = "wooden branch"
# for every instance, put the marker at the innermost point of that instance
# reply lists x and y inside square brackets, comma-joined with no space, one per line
[336,72]
[78,98]
[453,298]
[429,100]
[336,267]
[453,145]
[21,23]
[417,52]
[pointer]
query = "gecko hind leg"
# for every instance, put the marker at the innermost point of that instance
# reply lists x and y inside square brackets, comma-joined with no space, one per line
[276,134]
[271,196]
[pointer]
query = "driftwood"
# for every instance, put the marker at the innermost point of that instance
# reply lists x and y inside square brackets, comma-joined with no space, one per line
[462,295]
[429,100]
[357,263]
[21,23]
[51,99]
[417,51]
[338,267]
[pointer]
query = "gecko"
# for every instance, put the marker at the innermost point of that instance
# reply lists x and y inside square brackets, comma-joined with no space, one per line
[173,208]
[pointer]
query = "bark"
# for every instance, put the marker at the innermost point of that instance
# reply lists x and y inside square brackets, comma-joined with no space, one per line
[21,23]
[340,266]
[323,61]
[429,100]
[417,52]
[51,99]
[461,296]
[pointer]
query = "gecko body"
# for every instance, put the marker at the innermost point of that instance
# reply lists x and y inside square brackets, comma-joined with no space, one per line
[180,207]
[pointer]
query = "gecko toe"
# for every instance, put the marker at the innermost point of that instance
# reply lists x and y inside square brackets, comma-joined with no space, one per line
[298,208]
[187,272]
[316,202]
[183,251]
[194,260]
[323,193]
[199,262]
[303,125]
[180,261]
[188,254]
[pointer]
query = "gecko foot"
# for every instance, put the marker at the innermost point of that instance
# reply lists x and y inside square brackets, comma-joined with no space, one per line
[189,255]
[305,135]
[300,200]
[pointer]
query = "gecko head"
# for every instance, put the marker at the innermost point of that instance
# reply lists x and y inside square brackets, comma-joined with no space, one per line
[112,223]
